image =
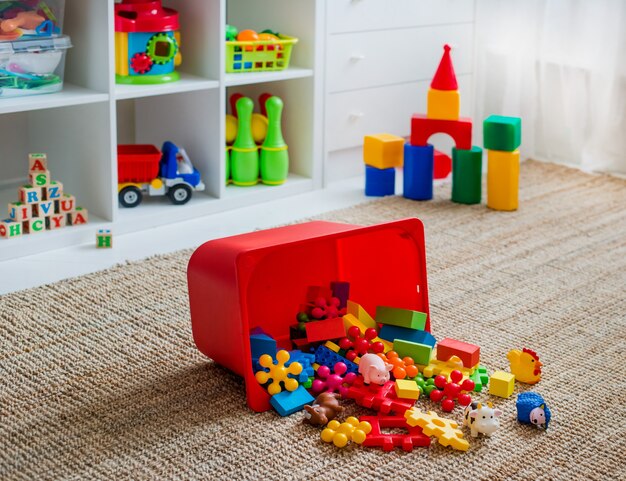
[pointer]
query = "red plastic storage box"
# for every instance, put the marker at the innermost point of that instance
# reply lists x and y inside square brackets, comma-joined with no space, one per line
[259,280]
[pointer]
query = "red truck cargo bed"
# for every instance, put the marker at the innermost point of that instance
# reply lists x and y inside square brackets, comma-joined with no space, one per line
[137,163]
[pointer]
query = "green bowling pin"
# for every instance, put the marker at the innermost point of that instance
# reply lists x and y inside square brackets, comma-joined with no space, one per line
[274,155]
[244,156]
[227,155]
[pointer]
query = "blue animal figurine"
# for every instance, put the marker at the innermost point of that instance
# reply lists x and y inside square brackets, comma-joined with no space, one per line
[532,409]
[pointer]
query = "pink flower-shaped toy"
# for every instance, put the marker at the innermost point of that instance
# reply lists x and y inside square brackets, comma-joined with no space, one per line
[339,381]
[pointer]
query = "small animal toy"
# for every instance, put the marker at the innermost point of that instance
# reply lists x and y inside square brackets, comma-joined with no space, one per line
[525,365]
[374,369]
[481,419]
[325,408]
[532,409]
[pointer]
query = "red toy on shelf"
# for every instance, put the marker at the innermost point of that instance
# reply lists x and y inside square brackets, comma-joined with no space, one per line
[243,281]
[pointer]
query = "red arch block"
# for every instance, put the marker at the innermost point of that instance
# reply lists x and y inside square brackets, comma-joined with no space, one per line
[460,130]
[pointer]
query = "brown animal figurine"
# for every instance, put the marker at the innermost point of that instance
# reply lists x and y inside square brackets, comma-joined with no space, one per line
[325,408]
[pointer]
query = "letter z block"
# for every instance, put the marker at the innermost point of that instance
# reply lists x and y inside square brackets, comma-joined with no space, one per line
[383,151]
[469,354]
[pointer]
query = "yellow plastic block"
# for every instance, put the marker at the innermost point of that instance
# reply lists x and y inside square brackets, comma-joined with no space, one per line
[407,389]
[444,368]
[388,345]
[383,151]
[443,104]
[501,384]
[332,346]
[445,430]
[315,366]
[502,179]
[350,320]
[361,314]
[121,53]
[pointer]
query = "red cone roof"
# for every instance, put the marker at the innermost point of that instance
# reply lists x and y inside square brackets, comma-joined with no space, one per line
[444,78]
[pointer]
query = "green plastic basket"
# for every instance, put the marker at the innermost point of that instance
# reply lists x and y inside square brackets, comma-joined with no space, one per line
[259,56]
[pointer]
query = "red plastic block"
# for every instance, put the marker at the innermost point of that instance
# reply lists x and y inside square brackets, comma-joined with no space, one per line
[442,165]
[469,354]
[380,398]
[460,130]
[375,438]
[325,330]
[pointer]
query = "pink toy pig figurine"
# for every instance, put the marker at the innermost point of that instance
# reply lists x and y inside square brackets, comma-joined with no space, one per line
[374,369]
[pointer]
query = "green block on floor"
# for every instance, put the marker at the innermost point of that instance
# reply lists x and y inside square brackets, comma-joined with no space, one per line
[467,175]
[502,133]
[420,353]
[480,378]
[393,316]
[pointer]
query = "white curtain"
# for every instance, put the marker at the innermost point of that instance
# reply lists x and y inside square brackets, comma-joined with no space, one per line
[561,66]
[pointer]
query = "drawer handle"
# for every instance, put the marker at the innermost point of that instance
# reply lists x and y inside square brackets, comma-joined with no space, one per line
[357,57]
[356,115]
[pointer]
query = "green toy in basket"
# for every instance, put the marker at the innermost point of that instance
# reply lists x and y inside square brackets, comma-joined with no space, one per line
[274,155]
[247,51]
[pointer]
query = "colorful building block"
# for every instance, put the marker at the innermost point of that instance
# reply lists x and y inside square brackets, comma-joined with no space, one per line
[53,191]
[10,228]
[332,346]
[407,389]
[443,104]
[37,163]
[262,344]
[418,172]
[445,430]
[502,133]
[56,221]
[278,373]
[34,225]
[436,368]
[502,180]
[414,436]
[104,240]
[44,209]
[379,182]
[289,402]
[324,330]
[467,175]
[390,333]
[445,78]
[469,354]
[65,203]
[420,353]
[407,318]
[442,165]
[383,151]
[422,128]
[380,398]
[79,216]
[29,194]
[326,357]
[341,290]
[340,434]
[39,179]
[19,211]
[480,378]
[361,314]
[501,384]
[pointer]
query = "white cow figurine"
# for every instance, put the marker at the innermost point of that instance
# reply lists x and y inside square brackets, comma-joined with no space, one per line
[374,369]
[481,419]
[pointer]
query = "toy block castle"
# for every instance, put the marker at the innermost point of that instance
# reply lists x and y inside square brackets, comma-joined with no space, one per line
[42,205]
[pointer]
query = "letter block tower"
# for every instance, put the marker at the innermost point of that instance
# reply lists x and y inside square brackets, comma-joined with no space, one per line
[442,116]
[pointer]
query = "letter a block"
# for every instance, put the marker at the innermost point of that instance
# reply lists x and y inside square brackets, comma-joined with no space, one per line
[383,151]
[10,228]
[78,217]
[37,163]
[104,239]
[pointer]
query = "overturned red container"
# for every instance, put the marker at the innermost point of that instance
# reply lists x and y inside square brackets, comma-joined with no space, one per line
[259,279]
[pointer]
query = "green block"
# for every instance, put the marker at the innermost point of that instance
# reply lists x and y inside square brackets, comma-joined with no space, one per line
[480,378]
[502,133]
[420,353]
[467,175]
[308,383]
[393,316]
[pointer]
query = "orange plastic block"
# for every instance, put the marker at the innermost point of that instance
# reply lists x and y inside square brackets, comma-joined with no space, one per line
[443,104]
[324,330]
[445,430]
[469,354]
[383,151]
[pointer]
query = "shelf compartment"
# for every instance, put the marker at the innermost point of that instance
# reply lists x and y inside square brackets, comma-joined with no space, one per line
[187,83]
[237,79]
[69,96]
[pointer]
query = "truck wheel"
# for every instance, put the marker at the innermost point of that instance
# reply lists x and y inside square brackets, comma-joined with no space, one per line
[130,196]
[179,194]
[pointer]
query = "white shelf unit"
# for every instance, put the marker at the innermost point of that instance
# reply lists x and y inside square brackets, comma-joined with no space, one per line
[80,127]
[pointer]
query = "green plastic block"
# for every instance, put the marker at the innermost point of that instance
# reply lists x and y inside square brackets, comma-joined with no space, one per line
[308,383]
[467,175]
[420,353]
[480,378]
[502,133]
[393,316]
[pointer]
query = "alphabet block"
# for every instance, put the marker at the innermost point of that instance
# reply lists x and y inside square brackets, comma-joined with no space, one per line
[37,163]
[43,209]
[104,239]
[34,225]
[56,221]
[18,211]
[39,179]
[383,151]
[67,203]
[78,217]
[53,191]
[28,194]
[443,104]
[10,228]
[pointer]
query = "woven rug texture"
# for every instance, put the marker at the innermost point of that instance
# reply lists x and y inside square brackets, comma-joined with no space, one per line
[100,378]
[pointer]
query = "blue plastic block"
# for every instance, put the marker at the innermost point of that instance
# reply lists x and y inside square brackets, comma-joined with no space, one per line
[418,171]
[380,182]
[306,360]
[287,403]
[262,344]
[326,357]
[389,333]
[297,355]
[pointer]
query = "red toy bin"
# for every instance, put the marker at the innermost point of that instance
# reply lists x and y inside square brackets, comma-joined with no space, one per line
[259,280]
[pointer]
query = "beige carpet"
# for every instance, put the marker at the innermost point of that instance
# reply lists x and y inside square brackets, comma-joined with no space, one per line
[100,378]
